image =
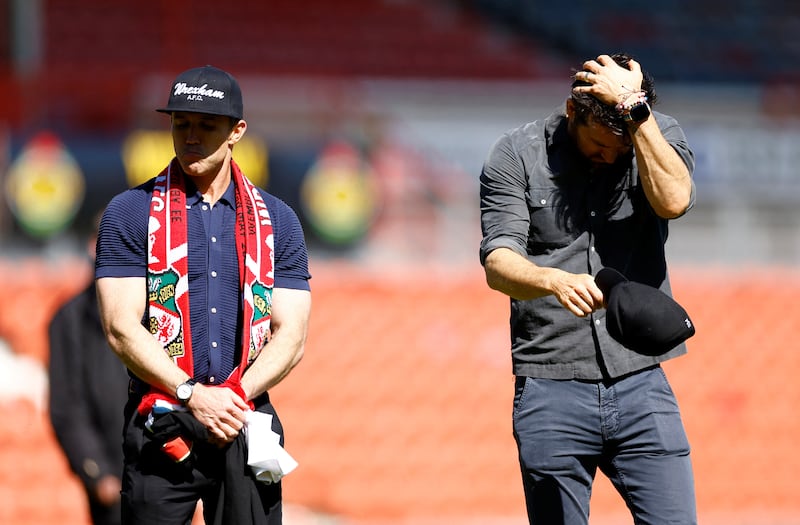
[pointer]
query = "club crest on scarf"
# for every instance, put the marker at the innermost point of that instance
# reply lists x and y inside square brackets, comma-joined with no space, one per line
[262,313]
[164,318]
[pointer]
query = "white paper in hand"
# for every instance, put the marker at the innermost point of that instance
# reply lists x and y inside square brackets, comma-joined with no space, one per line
[269,461]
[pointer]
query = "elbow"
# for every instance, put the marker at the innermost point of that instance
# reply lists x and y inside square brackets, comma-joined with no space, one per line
[670,213]
[114,338]
[679,203]
[498,283]
[299,354]
[299,347]
[490,269]
[493,281]
[674,209]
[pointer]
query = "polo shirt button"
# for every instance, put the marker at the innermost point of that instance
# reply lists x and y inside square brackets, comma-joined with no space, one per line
[213,344]
[213,274]
[213,239]
[213,310]
[597,322]
[212,379]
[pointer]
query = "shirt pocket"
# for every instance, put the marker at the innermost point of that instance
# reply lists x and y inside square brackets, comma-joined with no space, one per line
[552,222]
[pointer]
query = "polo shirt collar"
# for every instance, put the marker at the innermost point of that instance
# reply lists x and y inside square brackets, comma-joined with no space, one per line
[193,195]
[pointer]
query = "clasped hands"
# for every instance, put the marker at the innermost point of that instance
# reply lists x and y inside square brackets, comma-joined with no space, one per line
[221,409]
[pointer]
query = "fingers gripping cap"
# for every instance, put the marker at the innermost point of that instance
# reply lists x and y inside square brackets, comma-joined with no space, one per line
[642,317]
[607,278]
[208,90]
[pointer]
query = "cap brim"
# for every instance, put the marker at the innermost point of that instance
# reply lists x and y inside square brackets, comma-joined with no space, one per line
[169,111]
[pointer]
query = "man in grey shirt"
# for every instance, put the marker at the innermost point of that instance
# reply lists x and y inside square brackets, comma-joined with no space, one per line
[590,186]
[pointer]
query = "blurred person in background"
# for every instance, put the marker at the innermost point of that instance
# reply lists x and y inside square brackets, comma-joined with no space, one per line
[592,185]
[88,390]
[204,294]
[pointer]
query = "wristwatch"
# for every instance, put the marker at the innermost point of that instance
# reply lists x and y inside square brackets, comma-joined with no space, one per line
[184,391]
[638,113]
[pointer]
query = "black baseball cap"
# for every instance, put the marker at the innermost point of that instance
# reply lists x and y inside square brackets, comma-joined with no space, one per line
[208,90]
[642,317]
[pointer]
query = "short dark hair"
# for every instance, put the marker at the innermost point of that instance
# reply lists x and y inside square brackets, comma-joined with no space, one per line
[587,105]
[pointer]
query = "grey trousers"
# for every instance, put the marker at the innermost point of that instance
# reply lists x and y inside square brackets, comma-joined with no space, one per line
[630,429]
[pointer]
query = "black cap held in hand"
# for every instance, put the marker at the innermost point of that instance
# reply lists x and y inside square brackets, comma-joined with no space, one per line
[641,317]
[208,90]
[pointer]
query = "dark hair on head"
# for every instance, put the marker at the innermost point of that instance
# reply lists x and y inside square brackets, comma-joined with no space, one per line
[587,105]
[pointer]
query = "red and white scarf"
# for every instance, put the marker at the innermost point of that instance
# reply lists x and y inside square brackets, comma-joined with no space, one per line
[168,273]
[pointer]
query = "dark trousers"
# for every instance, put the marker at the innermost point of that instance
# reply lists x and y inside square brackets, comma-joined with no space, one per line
[630,429]
[158,491]
[155,499]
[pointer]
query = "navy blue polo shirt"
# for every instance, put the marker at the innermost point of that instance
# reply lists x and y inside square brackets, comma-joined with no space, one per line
[215,302]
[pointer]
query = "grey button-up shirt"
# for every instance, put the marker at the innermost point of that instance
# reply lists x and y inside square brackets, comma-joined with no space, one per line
[543,200]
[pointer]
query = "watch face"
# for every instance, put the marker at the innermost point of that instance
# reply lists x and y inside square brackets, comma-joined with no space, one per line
[184,392]
[639,112]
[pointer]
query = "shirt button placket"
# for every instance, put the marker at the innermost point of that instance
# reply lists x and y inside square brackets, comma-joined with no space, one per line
[215,265]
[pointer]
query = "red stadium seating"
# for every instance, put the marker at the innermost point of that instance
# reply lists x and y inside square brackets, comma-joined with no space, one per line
[399,412]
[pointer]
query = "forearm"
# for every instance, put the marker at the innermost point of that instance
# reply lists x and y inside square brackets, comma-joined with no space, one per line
[664,176]
[514,275]
[285,349]
[145,357]
[131,341]
[276,360]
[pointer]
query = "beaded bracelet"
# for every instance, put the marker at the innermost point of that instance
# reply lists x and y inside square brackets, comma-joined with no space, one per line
[633,99]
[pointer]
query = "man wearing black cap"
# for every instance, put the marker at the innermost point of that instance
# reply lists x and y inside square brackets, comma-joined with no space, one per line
[202,280]
[593,186]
